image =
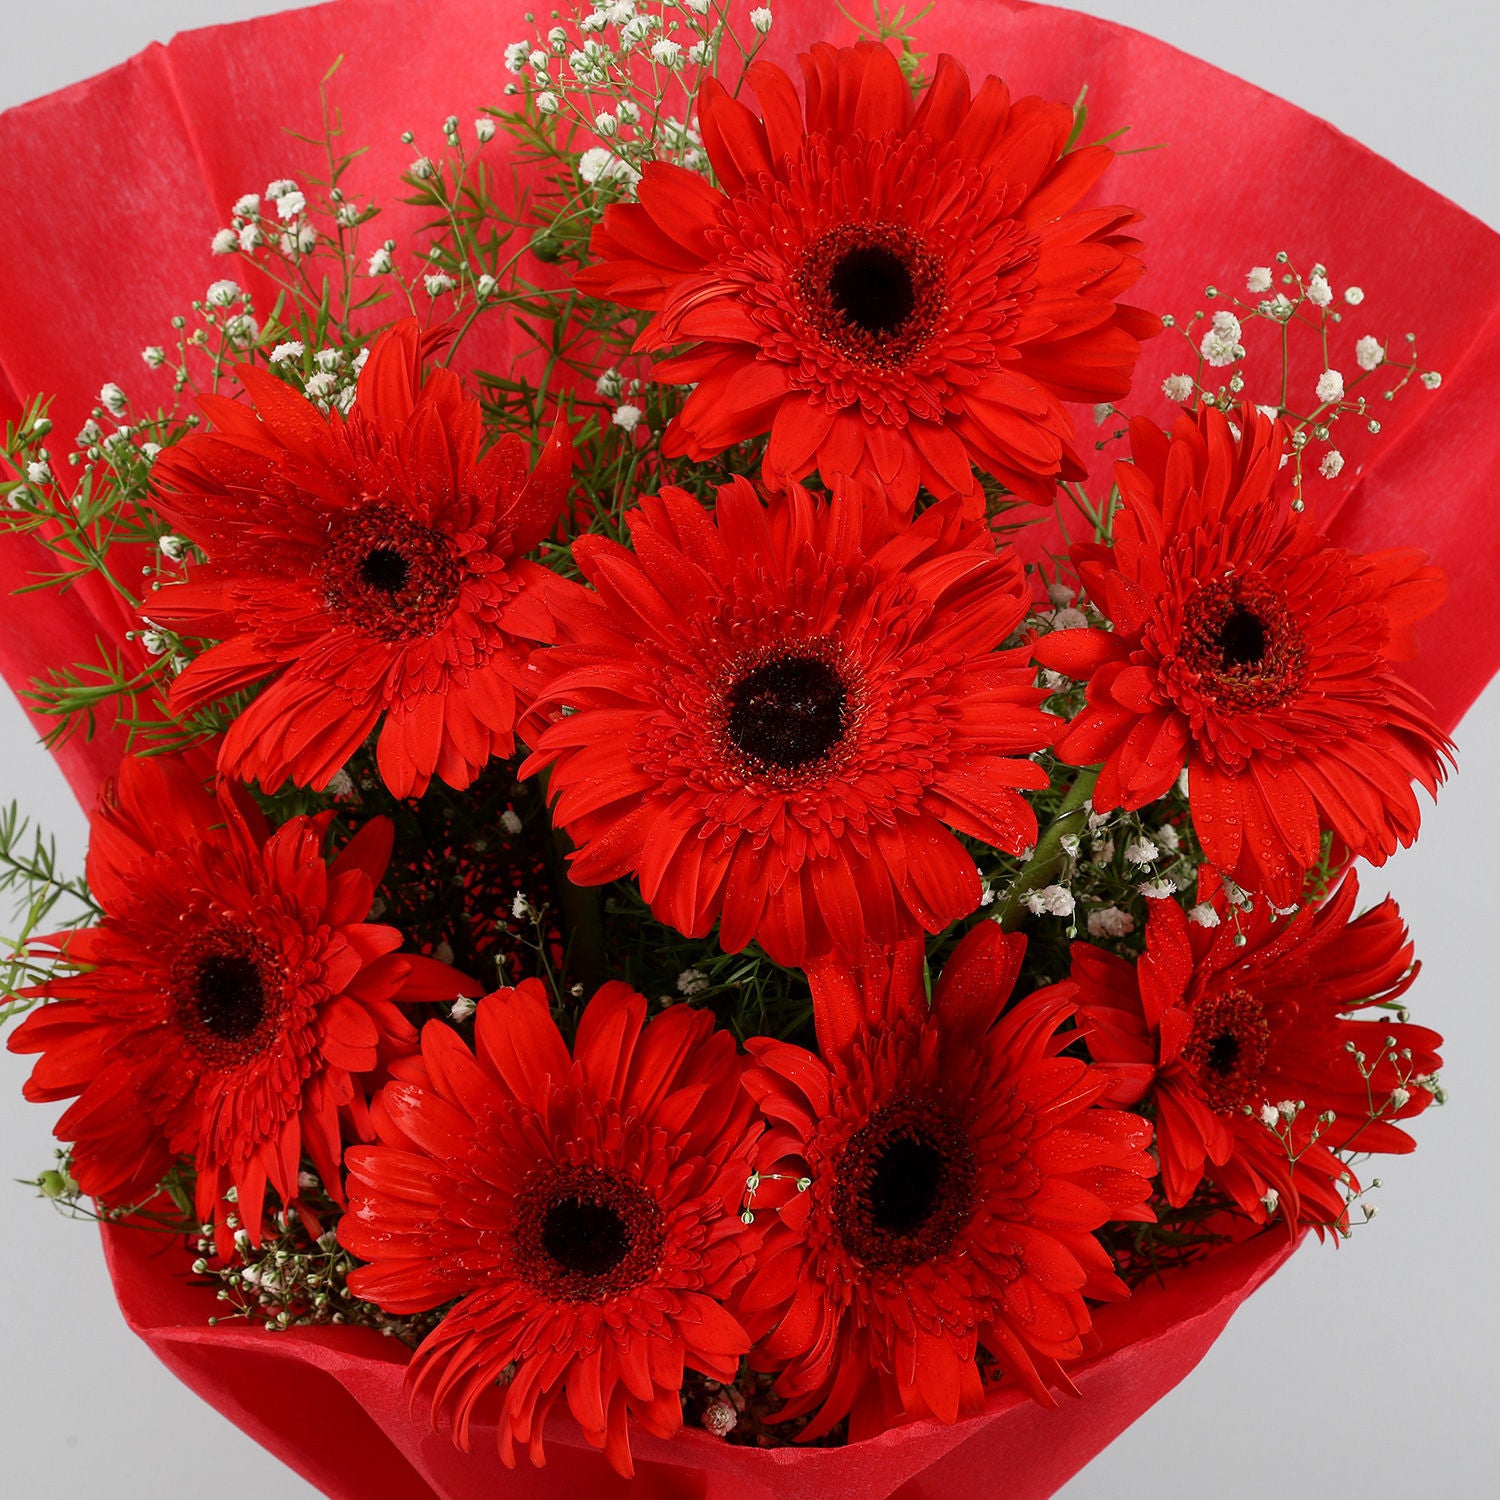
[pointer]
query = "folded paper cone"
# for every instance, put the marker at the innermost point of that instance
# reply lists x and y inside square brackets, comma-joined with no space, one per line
[330,1402]
[115,241]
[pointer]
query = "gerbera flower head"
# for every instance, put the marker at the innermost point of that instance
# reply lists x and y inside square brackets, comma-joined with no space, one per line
[371,566]
[584,1209]
[1258,1064]
[1248,647]
[957,1166]
[774,716]
[884,285]
[233,1005]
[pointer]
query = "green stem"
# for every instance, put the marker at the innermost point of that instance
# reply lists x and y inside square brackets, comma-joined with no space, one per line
[1048,858]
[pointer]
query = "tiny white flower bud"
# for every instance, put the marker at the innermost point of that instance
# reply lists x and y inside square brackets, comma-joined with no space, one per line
[760,19]
[484,130]
[1354,295]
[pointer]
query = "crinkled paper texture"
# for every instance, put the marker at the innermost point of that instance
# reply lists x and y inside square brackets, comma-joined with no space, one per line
[124,180]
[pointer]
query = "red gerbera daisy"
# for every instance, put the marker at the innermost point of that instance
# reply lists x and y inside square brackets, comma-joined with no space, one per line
[886,287]
[1222,1035]
[584,1209]
[956,1167]
[371,565]
[1250,648]
[773,716]
[230,1005]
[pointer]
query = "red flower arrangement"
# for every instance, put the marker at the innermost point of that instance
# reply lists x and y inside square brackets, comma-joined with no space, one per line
[232,1008]
[887,286]
[371,564]
[1248,648]
[775,715]
[802,726]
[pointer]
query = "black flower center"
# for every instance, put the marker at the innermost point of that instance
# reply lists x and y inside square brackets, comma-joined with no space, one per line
[1242,638]
[1228,1049]
[904,1184]
[583,1237]
[789,712]
[584,1233]
[231,995]
[386,573]
[1241,645]
[385,570]
[872,287]
[227,985]
[874,292]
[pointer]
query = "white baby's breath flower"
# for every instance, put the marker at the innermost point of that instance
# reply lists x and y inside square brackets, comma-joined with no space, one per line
[292,349]
[1270,1116]
[328,359]
[698,7]
[1178,388]
[1369,353]
[1141,851]
[1157,890]
[173,548]
[515,56]
[691,982]
[519,906]
[358,362]
[153,356]
[1270,413]
[629,111]
[280,188]
[1271,1199]
[1399,1096]
[1069,619]
[462,1009]
[289,205]
[1354,295]
[1332,465]
[484,288]
[1319,293]
[321,386]
[1110,922]
[547,103]
[226,242]
[251,238]
[510,822]
[627,417]
[609,384]
[484,129]
[606,124]
[1221,344]
[422,168]
[112,399]
[760,19]
[380,262]
[1431,379]
[1259,280]
[438,282]
[1053,900]
[667,52]
[222,293]
[1330,386]
[246,206]
[39,472]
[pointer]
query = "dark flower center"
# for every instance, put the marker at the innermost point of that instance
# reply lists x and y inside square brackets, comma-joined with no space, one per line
[1227,1049]
[231,998]
[229,990]
[1242,646]
[583,1237]
[385,570]
[1242,639]
[386,573]
[872,287]
[873,292]
[584,1233]
[904,1184]
[788,712]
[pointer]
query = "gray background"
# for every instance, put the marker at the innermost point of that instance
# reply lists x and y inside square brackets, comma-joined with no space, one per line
[1372,1368]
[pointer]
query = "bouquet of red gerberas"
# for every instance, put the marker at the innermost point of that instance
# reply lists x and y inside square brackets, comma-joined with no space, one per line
[691,860]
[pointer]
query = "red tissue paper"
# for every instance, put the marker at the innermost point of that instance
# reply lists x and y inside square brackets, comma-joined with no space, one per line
[206,120]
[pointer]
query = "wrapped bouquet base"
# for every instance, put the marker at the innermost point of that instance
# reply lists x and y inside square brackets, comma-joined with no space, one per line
[331,1403]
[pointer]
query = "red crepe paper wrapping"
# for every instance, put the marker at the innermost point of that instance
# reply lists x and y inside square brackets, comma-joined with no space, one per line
[205,121]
